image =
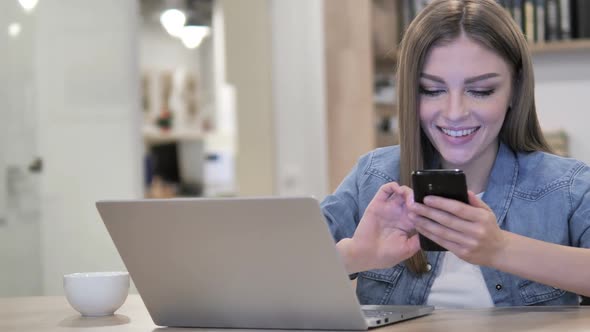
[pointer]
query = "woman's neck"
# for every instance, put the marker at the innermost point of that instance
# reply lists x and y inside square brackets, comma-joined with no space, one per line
[478,170]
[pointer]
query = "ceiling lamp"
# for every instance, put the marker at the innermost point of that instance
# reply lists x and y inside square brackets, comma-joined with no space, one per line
[193,35]
[28,5]
[173,21]
[194,32]
[14,30]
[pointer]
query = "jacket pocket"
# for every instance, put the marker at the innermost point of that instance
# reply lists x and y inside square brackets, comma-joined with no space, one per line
[536,293]
[376,286]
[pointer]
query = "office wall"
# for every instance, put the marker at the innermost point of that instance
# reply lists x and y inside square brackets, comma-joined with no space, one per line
[88,106]
[298,84]
[248,68]
[276,65]
[20,253]
[562,94]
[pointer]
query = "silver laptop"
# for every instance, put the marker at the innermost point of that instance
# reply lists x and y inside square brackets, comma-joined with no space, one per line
[240,263]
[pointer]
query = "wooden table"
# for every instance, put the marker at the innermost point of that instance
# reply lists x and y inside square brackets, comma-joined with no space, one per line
[26,314]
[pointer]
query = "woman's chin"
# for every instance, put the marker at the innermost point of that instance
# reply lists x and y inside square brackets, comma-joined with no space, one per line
[456,159]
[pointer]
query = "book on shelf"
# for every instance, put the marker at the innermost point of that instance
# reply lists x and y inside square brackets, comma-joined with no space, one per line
[565,19]
[581,19]
[507,4]
[529,20]
[517,13]
[540,33]
[550,20]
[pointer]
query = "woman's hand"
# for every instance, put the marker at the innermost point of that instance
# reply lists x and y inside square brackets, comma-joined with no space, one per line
[470,231]
[385,235]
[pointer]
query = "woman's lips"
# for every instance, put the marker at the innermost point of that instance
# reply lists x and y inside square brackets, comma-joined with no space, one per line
[459,135]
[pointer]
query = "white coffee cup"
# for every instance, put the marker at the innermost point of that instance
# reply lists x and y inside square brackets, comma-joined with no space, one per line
[96,293]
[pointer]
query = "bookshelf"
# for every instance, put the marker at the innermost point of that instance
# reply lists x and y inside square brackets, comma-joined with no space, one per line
[386,29]
[560,46]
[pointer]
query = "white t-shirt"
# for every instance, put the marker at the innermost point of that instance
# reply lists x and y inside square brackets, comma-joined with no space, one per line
[459,284]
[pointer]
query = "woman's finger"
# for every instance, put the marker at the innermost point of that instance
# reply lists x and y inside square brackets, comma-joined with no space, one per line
[386,191]
[445,243]
[444,218]
[408,194]
[440,231]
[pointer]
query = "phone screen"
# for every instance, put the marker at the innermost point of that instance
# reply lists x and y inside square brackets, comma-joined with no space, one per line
[448,183]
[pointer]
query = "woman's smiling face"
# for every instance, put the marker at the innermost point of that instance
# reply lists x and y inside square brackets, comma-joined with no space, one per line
[465,91]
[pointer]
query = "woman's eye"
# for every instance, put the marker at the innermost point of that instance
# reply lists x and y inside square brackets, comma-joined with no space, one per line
[431,92]
[481,93]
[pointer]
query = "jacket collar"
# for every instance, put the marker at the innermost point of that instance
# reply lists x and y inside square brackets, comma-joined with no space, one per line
[501,183]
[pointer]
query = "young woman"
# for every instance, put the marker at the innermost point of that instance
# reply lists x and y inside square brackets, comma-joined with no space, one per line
[466,100]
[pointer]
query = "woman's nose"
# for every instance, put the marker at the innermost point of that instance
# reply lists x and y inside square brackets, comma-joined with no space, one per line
[456,109]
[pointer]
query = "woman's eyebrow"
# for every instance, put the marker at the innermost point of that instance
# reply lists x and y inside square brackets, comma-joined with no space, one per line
[467,80]
[481,77]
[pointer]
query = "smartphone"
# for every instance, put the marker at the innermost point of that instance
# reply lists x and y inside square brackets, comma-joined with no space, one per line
[448,183]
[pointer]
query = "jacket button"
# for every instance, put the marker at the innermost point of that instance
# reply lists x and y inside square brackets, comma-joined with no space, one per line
[428,267]
[498,286]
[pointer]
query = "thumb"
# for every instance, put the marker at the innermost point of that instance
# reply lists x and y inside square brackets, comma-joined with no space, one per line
[476,201]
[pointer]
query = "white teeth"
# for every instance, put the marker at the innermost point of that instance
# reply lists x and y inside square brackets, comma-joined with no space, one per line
[458,133]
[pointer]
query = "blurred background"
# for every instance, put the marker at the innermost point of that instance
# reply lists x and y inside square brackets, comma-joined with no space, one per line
[127,99]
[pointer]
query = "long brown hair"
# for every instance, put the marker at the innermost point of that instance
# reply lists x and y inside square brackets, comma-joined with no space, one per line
[489,24]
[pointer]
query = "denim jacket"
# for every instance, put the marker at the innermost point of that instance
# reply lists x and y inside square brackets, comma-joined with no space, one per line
[538,195]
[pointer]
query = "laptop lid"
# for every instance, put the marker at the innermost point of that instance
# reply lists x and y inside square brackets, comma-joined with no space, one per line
[234,263]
